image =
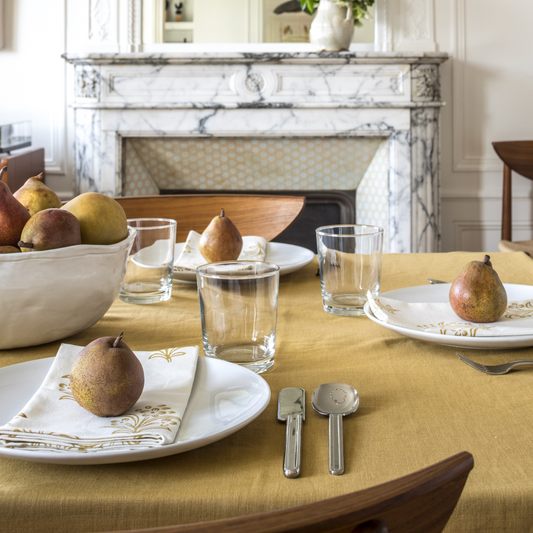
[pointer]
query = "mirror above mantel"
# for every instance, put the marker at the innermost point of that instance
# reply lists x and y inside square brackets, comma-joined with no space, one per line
[131,26]
[234,21]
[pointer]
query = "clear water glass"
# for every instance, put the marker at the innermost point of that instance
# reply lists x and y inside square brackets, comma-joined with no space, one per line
[349,257]
[238,308]
[151,261]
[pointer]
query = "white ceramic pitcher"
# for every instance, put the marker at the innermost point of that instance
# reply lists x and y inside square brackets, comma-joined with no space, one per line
[333,26]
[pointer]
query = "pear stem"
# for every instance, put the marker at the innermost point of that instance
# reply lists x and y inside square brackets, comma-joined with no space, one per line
[40,177]
[2,170]
[486,260]
[222,214]
[118,339]
[22,244]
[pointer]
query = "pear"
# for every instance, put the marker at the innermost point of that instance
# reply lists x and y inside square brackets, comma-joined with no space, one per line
[9,250]
[221,240]
[13,215]
[102,219]
[35,196]
[48,229]
[477,294]
[106,377]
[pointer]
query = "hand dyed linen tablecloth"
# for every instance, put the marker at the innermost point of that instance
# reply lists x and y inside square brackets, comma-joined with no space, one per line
[419,404]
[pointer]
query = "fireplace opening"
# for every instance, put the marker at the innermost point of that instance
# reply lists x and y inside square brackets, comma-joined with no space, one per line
[322,208]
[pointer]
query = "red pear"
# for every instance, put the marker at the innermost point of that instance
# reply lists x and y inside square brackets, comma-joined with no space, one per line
[13,215]
[477,294]
[48,229]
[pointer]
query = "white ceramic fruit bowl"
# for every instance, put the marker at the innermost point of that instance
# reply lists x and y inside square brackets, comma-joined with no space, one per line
[49,295]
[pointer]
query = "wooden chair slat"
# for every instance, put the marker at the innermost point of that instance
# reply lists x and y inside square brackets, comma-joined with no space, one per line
[421,502]
[266,216]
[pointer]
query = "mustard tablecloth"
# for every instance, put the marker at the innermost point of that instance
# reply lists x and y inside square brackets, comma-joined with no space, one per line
[419,404]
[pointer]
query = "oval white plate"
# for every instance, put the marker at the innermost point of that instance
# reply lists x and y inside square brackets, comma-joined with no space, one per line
[288,257]
[224,398]
[439,294]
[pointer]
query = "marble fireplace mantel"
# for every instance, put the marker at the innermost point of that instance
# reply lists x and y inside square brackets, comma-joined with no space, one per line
[394,95]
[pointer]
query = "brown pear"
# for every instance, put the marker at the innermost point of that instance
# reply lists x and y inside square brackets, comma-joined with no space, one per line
[48,229]
[102,219]
[106,377]
[35,196]
[477,294]
[9,250]
[221,240]
[13,215]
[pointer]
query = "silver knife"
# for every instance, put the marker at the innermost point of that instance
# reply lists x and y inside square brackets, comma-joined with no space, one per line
[291,408]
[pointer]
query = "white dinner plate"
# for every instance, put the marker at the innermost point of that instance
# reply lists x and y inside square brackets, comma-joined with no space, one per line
[288,257]
[439,294]
[225,397]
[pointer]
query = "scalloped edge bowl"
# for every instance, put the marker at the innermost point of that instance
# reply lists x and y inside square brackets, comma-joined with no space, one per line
[49,295]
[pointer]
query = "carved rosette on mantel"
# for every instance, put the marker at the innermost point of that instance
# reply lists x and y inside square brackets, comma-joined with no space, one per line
[391,95]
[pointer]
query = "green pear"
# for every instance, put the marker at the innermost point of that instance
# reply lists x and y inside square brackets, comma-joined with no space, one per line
[477,294]
[48,229]
[35,196]
[221,240]
[102,219]
[106,377]
[13,215]
[9,250]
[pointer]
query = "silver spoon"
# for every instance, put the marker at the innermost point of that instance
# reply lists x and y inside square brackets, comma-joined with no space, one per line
[336,400]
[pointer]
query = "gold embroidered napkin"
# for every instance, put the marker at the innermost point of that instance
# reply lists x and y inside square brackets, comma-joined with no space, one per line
[253,249]
[439,318]
[53,421]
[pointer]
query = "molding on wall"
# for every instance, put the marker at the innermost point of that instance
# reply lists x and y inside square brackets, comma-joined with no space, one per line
[416,28]
[55,157]
[382,27]
[463,162]
[461,227]
[255,21]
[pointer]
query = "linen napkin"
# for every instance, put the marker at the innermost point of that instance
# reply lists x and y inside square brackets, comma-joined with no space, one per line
[440,318]
[54,421]
[253,249]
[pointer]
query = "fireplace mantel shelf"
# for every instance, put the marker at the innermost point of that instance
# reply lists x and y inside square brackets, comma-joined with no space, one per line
[314,58]
[394,95]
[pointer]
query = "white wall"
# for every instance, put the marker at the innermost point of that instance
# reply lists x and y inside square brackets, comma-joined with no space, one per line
[487,84]
[32,86]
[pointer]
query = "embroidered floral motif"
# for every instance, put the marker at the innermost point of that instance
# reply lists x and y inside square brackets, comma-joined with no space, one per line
[65,387]
[387,308]
[187,249]
[71,446]
[519,310]
[168,354]
[459,329]
[150,418]
[253,251]
[20,415]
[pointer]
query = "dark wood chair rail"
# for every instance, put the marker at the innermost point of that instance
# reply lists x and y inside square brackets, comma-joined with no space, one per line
[517,156]
[262,215]
[421,502]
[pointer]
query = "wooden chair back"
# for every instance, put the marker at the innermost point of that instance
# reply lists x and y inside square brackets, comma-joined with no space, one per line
[421,502]
[266,216]
[517,156]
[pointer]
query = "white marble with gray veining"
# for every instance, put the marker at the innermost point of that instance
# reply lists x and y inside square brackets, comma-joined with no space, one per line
[391,95]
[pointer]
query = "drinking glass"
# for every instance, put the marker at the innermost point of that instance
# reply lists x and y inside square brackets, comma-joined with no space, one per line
[239,307]
[151,261]
[349,257]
